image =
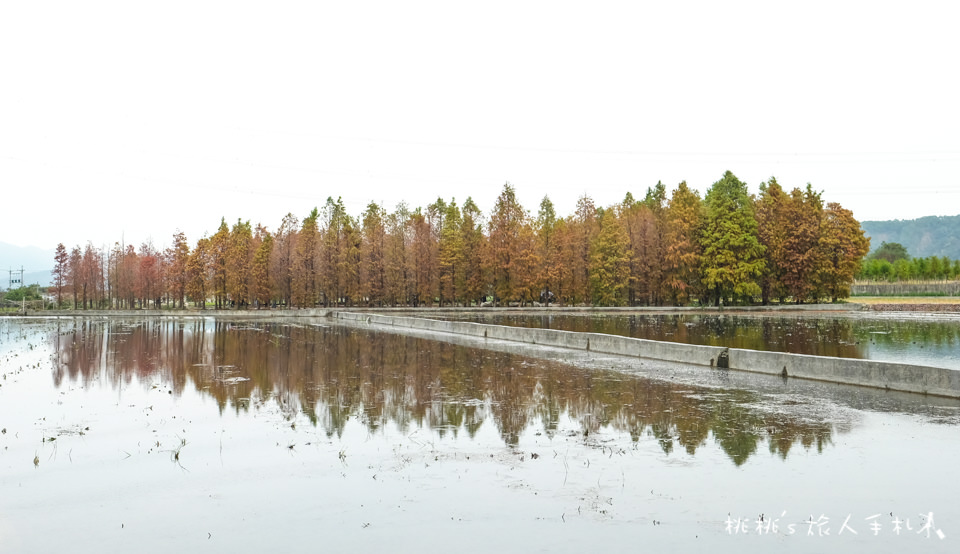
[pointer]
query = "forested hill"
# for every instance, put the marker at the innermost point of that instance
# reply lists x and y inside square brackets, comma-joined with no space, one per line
[926,236]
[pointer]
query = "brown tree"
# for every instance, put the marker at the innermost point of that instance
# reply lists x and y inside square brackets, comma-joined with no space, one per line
[217,263]
[564,256]
[60,271]
[149,286]
[372,255]
[584,229]
[128,277]
[451,256]
[506,221]
[260,283]
[842,246]
[801,254]
[646,253]
[177,256]
[424,257]
[348,261]
[240,250]
[397,266]
[773,225]
[282,258]
[730,245]
[655,227]
[305,289]
[683,219]
[473,245]
[198,277]
[548,255]
[75,275]
[87,275]
[526,264]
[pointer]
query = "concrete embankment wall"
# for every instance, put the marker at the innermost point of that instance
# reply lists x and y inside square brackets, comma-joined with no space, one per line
[870,373]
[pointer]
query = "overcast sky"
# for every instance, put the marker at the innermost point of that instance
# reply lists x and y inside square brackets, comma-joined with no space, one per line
[132,120]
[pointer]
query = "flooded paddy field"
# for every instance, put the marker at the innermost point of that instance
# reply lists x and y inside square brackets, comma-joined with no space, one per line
[904,338]
[166,434]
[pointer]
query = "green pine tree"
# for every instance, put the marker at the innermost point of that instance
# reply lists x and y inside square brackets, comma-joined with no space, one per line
[732,261]
[610,262]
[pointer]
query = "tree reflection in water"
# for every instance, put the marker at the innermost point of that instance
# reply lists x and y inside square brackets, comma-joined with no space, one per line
[334,374]
[924,341]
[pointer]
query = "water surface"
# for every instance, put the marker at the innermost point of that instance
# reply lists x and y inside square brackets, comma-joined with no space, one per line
[192,433]
[923,341]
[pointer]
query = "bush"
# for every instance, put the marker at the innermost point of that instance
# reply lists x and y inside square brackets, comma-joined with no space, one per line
[31,292]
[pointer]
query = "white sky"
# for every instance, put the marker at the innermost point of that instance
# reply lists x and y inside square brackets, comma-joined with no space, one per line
[134,119]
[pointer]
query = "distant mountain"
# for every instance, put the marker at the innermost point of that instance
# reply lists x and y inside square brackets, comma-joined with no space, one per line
[35,262]
[926,236]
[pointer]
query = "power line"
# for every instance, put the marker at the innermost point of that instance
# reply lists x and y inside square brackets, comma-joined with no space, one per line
[628,152]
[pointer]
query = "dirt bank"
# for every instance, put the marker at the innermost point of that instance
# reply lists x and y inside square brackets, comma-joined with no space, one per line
[936,308]
[935,304]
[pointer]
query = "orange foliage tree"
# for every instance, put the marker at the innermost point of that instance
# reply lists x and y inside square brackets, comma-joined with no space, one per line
[653,251]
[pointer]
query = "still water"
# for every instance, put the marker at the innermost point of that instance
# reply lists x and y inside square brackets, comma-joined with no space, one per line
[167,434]
[914,340]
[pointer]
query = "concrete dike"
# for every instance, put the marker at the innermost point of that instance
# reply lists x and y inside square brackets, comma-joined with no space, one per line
[870,373]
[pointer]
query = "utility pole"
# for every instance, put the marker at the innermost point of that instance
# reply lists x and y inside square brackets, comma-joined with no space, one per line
[18,280]
[15,277]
